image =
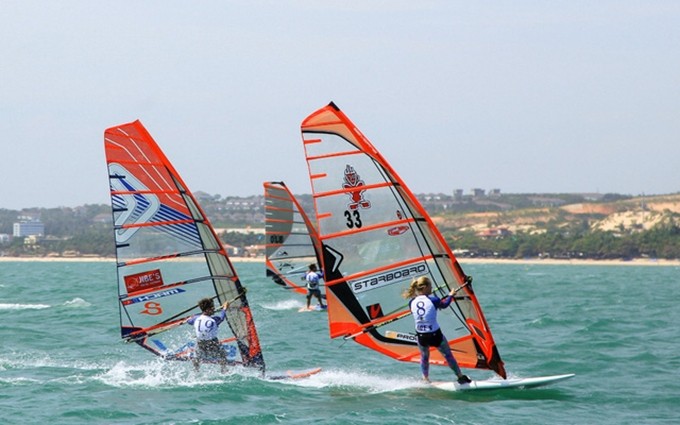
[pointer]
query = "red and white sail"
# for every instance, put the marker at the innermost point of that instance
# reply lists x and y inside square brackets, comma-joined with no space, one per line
[375,238]
[168,254]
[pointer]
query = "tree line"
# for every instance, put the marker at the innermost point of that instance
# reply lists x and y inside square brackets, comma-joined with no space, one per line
[87,230]
[662,242]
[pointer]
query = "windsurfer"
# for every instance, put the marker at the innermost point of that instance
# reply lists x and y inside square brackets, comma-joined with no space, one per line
[312,277]
[206,326]
[424,308]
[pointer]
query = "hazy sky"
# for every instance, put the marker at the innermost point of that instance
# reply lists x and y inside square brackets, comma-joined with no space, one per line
[524,96]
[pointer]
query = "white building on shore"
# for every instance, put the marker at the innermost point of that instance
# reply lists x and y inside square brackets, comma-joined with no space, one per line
[29,228]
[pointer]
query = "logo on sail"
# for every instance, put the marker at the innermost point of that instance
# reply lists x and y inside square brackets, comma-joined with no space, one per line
[154,296]
[398,230]
[134,208]
[402,336]
[374,311]
[352,182]
[145,280]
[389,277]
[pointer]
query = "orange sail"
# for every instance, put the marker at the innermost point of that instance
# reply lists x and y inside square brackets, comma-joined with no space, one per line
[168,254]
[291,240]
[375,238]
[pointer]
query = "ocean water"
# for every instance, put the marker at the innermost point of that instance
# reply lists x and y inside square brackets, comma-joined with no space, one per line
[616,327]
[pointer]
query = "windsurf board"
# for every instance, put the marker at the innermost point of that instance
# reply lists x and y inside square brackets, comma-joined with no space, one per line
[314,308]
[499,384]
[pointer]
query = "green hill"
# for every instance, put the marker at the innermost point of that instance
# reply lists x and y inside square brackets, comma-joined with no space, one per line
[496,225]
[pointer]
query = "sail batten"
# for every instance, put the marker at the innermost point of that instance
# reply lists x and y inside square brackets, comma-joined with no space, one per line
[375,238]
[368,272]
[291,240]
[154,223]
[387,225]
[168,254]
[351,190]
[334,155]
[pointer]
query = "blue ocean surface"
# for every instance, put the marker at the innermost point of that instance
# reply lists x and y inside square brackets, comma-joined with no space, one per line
[63,362]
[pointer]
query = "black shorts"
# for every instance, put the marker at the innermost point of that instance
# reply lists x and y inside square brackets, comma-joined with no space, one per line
[211,350]
[431,339]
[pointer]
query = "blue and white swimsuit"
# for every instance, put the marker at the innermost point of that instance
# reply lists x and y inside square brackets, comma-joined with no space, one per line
[424,311]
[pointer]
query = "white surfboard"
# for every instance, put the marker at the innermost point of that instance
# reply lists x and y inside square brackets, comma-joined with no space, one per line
[499,384]
[312,308]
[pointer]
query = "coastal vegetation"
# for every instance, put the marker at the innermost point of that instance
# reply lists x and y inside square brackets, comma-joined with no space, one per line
[581,226]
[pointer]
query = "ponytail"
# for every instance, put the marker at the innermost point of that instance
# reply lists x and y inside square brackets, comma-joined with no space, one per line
[417,286]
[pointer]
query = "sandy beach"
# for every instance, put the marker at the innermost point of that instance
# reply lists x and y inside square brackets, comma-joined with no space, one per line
[463,261]
[633,262]
[105,259]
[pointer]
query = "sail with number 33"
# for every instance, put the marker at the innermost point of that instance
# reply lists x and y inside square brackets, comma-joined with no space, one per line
[375,238]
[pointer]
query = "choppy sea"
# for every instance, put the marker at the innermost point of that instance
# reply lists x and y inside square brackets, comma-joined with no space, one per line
[617,327]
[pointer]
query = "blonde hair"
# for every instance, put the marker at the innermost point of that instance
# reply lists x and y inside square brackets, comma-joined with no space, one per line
[417,286]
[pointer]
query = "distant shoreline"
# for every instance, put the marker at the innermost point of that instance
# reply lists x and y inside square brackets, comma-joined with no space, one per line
[463,261]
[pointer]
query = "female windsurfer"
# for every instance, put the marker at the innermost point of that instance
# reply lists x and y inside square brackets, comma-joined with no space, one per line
[424,308]
[206,326]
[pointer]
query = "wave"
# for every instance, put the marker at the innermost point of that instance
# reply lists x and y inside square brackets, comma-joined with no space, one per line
[77,302]
[154,373]
[284,305]
[162,374]
[16,306]
[358,379]
[74,303]
[39,359]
